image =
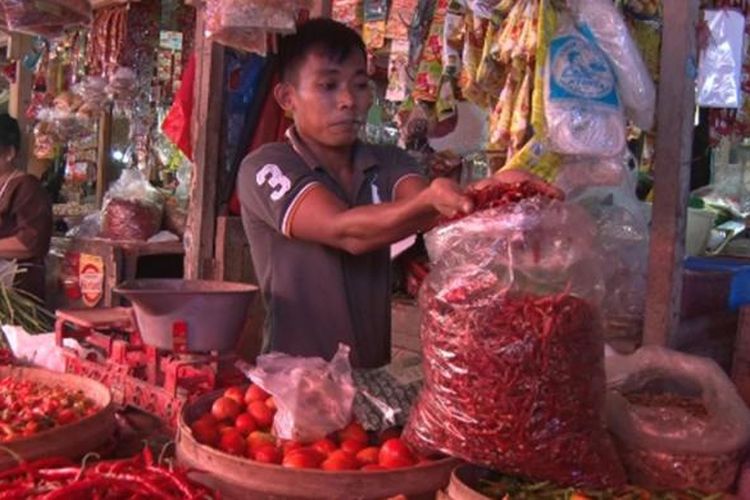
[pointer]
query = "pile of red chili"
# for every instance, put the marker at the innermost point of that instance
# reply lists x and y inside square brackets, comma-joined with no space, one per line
[136,478]
[514,375]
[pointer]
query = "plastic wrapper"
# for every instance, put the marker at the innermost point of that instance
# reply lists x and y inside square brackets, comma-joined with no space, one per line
[133,209]
[243,24]
[607,27]
[582,108]
[606,189]
[513,354]
[678,418]
[45,17]
[719,82]
[314,397]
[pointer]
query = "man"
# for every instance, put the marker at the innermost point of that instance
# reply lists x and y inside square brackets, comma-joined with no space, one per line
[321,209]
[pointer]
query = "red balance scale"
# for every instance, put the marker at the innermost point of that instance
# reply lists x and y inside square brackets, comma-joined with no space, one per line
[166,350]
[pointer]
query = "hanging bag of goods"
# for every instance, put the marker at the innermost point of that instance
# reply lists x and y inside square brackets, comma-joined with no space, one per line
[678,420]
[513,353]
[243,24]
[46,17]
[582,106]
[133,209]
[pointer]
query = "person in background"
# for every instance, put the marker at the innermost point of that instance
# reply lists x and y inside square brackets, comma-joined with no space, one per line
[321,209]
[25,213]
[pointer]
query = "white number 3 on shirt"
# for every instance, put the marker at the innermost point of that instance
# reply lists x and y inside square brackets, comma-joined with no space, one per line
[279,182]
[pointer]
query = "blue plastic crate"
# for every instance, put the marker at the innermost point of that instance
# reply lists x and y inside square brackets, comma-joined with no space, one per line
[739,294]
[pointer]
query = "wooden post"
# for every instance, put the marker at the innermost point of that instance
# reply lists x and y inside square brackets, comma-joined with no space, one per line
[674,137]
[102,157]
[206,127]
[20,93]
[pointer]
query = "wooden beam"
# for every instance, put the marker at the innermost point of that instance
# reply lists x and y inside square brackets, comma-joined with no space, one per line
[674,138]
[20,93]
[206,128]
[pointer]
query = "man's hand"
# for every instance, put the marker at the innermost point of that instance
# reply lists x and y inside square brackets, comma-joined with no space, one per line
[513,176]
[447,197]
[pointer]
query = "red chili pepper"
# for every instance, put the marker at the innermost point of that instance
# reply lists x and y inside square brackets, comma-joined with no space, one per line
[125,483]
[148,456]
[16,492]
[173,478]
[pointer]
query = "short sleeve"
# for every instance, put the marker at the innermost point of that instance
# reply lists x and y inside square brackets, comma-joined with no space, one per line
[271,184]
[399,166]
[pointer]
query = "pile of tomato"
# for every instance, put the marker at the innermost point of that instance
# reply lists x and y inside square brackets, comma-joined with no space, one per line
[239,423]
[27,408]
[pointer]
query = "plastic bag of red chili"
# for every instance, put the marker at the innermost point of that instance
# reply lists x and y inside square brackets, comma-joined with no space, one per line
[678,420]
[133,209]
[513,353]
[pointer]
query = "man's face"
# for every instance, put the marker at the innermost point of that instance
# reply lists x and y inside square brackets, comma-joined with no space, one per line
[329,100]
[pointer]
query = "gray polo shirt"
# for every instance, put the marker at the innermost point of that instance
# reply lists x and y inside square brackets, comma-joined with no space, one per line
[317,296]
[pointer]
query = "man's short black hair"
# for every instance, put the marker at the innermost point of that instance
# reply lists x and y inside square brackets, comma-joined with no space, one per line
[337,41]
[10,132]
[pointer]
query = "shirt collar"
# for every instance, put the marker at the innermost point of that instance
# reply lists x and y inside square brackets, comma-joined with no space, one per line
[364,158]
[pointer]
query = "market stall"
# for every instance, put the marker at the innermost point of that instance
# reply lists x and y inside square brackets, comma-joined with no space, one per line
[93,86]
[507,390]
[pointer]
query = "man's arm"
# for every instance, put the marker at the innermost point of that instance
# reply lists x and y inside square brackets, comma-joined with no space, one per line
[320,217]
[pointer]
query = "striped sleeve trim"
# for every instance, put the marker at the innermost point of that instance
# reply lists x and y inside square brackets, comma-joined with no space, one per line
[400,180]
[291,210]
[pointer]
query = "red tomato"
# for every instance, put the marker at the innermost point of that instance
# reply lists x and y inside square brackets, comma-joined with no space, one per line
[290,446]
[271,403]
[205,432]
[389,433]
[232,442]
[352,446]
[268,455]
[245,423]
[255,393]
[325,446]
[235,393]
[354,431]
[258,439]
[261,413]
[209,418]
[340,460]
[225,409]
[373,467]
[395,454]
[303,458]
[368,455]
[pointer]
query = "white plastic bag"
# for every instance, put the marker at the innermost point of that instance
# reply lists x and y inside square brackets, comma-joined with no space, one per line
[606,25]
[314,397]
[582,108]
[720,66]
[679,419]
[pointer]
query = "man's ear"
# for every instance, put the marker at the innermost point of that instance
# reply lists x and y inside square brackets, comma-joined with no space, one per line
[283,94]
